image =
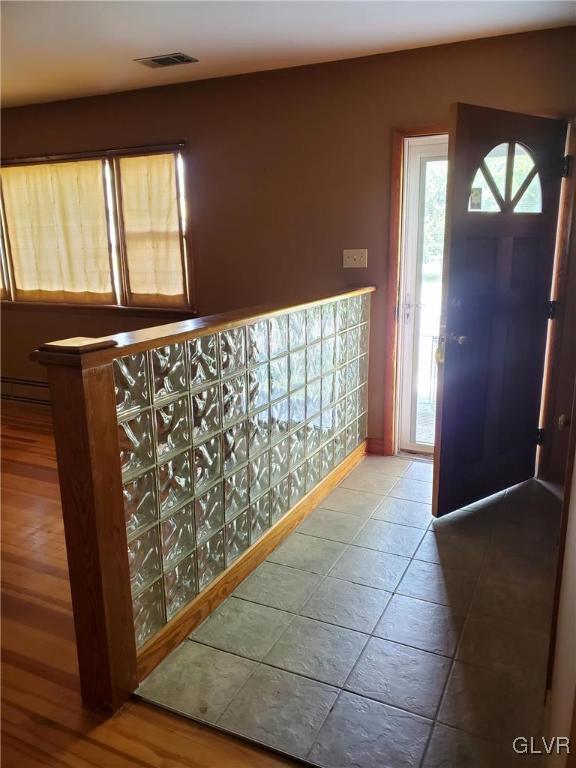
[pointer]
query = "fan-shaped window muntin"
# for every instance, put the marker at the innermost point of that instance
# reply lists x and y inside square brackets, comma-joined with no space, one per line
[506,180]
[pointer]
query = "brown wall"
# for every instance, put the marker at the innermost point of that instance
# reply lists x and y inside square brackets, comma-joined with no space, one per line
[286,168]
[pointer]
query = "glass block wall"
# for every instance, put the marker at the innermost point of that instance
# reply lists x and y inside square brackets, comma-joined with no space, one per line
[220,435]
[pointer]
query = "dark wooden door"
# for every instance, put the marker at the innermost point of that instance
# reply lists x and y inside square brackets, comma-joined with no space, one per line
[504,177]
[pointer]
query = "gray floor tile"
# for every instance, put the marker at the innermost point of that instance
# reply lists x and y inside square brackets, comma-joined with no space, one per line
[401,676]
[404,512]
[197,681]
[352,502]
[278,586]
[466,523]
[308,553]
[317,650]
[241,627]
[490,704]
[360,733]
[369,478]
[506,647]
[348,605]
[412,490]
[424,625]
[279,709]
[370,567]
[511,601]
[420,470]
[452,551]
[388,465]
[328,524]
[389,537]
[429,581]
[450,748]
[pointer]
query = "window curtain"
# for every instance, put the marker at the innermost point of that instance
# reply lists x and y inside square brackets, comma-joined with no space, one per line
[57,231]
[151,229]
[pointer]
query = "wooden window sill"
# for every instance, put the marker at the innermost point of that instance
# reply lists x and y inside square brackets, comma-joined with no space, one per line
[110,309]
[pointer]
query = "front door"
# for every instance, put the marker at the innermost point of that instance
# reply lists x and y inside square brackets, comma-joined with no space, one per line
[504,177]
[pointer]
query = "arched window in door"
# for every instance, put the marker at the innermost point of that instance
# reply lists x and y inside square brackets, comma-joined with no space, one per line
[507,180]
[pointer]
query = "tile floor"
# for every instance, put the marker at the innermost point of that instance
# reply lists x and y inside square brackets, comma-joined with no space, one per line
[377,637]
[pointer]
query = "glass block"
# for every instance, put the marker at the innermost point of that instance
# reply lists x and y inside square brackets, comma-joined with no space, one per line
[135,442]
[352,376]
[363,338]
[328,389]
[140,502]
[297,408]
[210,559]
[363,399]
[362,427]
[174,481]
[278,335]
[203,357]
[341,314]
[313,324]
[313,435]
[328,354]
[168,370]
[351,410]
[131,382]
[232,350]
[144,559]
[235,446]
[180,585]
[326,458]
[279,377]
[327,424]
[340,382]
[205,412]
[364,308]
[363,368]
[297,450]
[148,610]
[340,414]
[237,536]
[259,517]
[279,460]
[257,342]
[297,369]
[297,479]
[353,343]
[258,432]
[208,513]
[279,503]
[313,471]
[177,535]
[353,310]
[339,446]
[297,324]
[233,399]
[328,319]
[351,437]
[279,420]
[236,493]
[340,349]
[172,427]
[259,474]
[258,387]
[207,463]
[313,361]
[313,398]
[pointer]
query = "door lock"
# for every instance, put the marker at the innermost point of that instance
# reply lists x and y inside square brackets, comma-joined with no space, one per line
[453,338]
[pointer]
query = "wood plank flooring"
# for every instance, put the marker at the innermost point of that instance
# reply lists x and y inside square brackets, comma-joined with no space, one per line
[43,721]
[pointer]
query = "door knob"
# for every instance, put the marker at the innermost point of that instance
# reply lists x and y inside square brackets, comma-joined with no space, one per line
[453,338]
[563,421]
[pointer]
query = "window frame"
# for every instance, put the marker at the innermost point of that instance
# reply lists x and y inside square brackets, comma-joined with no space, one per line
[117,254]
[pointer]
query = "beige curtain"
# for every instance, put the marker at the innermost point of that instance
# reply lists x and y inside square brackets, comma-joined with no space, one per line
[151,229]
[56,226]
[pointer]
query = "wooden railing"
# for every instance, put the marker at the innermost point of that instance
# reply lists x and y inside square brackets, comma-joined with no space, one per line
[186,453]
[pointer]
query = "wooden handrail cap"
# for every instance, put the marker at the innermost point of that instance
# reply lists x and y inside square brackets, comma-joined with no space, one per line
[77,345]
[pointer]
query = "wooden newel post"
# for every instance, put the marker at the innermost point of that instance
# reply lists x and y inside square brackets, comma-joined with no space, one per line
[80,376]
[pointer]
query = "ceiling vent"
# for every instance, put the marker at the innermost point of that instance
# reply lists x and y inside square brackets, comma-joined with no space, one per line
[167,60]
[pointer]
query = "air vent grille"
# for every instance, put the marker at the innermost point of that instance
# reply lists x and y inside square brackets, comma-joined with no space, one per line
[167,60]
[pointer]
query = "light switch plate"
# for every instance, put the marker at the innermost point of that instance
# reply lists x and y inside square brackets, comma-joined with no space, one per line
[355,258]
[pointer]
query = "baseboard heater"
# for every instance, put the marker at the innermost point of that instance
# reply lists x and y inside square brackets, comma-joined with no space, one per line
[24,390]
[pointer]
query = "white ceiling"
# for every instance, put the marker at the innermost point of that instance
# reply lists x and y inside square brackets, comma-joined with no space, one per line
[59,50]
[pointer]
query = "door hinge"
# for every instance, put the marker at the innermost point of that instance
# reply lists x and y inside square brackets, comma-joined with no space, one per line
[552,309]
[567,166]
[540,436]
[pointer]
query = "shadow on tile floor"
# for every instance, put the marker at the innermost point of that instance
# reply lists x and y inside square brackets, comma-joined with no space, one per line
[377,636]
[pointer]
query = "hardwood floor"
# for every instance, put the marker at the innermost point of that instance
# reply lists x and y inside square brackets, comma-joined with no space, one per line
[43,721]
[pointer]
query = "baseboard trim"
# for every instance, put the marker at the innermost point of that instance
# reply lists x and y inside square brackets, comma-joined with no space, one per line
[377,446]
[24,390]
[151,654]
